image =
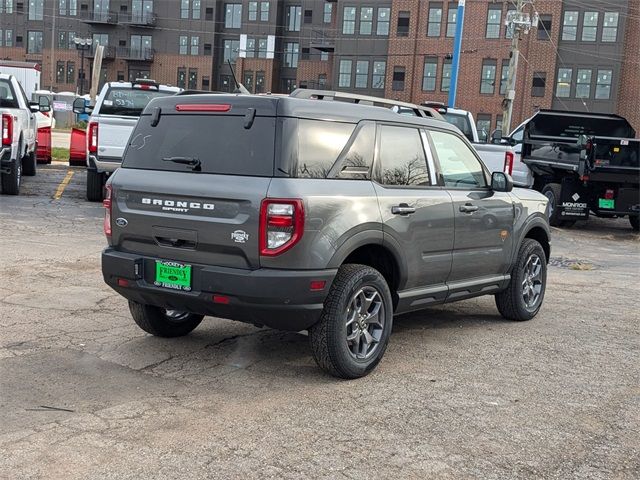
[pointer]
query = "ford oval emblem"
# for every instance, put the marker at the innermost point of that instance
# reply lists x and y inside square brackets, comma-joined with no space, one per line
[121,222]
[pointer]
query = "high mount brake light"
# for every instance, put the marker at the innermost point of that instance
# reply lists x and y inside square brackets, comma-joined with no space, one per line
[194,107]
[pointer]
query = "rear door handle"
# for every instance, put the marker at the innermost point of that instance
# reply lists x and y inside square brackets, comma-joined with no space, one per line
[402,209]
[468,208]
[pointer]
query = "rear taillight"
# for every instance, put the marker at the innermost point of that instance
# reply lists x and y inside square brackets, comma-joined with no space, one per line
[7,129]
[281,225]
[106,203]
[92,137]
[508,163]
[609,194]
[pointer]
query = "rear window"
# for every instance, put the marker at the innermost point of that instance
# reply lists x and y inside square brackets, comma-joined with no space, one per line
[219,142]
[460,121]
[7,97]
[128,101]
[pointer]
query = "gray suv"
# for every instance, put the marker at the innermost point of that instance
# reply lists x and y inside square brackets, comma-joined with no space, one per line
[324,216]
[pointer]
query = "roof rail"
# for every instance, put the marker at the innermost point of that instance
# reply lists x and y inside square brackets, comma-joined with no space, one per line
[418,110]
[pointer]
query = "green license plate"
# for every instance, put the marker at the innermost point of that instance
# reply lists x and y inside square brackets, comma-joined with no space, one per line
[606,203]
[173,275]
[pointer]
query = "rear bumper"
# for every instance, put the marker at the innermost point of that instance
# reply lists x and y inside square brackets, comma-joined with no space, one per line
[6,163]
[102,164]
[278,299]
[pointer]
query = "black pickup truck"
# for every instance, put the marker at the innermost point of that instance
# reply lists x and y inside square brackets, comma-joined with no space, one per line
[584,163]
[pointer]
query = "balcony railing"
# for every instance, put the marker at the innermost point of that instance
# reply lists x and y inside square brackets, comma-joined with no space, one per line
[109,53]
[135,54]
[140,19]
[323,40]
[99,16]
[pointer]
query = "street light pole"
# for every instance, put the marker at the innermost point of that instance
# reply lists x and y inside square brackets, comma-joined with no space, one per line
[82,44]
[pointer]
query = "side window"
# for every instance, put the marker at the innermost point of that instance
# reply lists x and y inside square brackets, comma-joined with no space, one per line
[319,144]
[458,164]
[402,159]
[518,135]
[355,163]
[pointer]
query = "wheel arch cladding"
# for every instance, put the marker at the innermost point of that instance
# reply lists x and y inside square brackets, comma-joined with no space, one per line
[542,237]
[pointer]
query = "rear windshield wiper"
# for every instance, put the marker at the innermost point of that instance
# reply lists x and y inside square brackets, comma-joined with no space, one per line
[193,162]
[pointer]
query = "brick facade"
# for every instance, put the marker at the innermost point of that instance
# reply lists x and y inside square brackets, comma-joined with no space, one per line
[629,99]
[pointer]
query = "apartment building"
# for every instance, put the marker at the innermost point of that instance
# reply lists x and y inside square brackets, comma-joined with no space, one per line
[583,54]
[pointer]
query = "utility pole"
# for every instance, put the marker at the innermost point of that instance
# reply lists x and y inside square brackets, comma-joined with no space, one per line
[518,23]
[457,48]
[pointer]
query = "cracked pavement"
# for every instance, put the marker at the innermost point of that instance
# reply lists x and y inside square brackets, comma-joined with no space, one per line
[461,393]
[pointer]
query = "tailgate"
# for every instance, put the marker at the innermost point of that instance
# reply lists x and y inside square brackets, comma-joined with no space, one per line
[201,219]
[113,135]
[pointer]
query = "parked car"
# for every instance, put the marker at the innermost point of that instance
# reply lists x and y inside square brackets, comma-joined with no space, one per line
[111,122]
[313,215]
[18,155]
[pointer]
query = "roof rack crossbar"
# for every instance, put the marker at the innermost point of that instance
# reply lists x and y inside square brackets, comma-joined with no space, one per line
[419,110]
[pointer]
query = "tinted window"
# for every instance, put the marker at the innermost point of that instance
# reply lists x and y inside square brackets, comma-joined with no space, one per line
[460,121]
[7,97]
[220,142]
[357,160]
[518,135]
[402,159]
[128,101]
[458,164]
[319,144]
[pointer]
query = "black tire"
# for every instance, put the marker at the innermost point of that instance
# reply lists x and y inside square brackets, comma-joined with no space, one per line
[511,302]
[160,322]
[11,181]
[328,337]
[553,192]
[29,166]
[95,186]
[633,220]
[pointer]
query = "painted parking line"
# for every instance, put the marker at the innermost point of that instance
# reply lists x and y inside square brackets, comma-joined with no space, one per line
[63,185]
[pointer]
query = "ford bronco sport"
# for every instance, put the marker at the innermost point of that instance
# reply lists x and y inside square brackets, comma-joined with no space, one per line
[313,215]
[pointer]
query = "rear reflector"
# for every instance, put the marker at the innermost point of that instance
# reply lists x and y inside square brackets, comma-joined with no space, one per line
[609,194]
[222,299]
[317,285]
[203,107]
[122,282]
[106,203]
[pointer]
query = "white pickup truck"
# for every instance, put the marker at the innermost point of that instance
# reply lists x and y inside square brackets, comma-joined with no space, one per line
[19,133]
[112,120]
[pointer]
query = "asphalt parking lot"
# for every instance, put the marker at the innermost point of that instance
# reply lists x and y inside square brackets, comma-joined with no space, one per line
[461,393]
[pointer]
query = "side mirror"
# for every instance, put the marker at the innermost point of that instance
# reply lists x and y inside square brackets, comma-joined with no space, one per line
[44,105]
[34,107]
[496,136]
[79,106]
[501,182]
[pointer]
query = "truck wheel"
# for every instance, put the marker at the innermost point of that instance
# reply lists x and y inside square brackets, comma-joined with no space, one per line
[633,219]
[522,299]
[161,322]
[95,184]
[553,192]
[11,181]
[29,162]
[352,334]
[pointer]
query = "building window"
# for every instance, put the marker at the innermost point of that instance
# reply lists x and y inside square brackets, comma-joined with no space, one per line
[61,70]
[590,26]
[488,80]
[233,15]
[63,41]
[429,74]
[379,72]
[1,34]
[70,36]
[308,16]
[583,83]
[324,56]
[570,25]
[344,77]
[294,14]
[382,24]
[603,85]
[452,16]
[71,72]
[62,11]
[366,20]
[544,27]
[305,54]
[182,78]
[195,45]
[259,82]
[504,74]
[231,48]
[195,9]
[207,49]
[288,85]
[291,55]
[398,79]
[404,20]
[101,39]
[445,81]
[205,83]
[208,16]
[508,29]
[435,20]
[328,12]
[8,38]
[6,6]
[184,40]
[34,42]
[610,27]
[538,84]
[349,21]
[362,73]
[563,84]
[36,9]
[184,9]
[248,80]
[262,48]
[251,48]
[264,11]
[483,125]
[193,79]
[493,22]
[253,11]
